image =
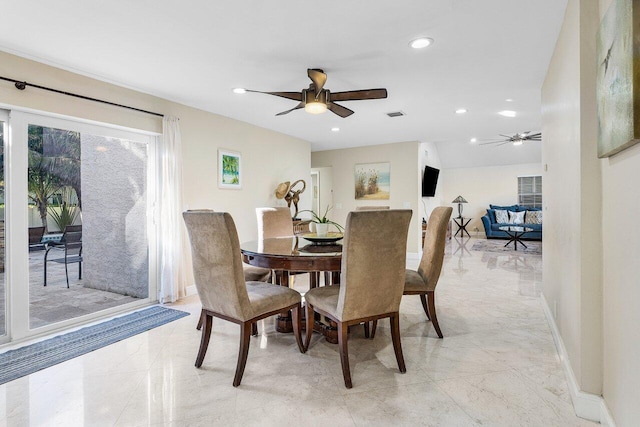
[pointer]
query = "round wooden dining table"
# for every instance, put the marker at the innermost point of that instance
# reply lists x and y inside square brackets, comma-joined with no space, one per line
[291,255]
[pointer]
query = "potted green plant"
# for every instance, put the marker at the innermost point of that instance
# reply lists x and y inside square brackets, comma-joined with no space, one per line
[322,222]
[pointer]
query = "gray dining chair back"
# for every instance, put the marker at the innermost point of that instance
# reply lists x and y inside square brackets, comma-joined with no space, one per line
[373,263]
[217,265]
[434,243]
[274,222]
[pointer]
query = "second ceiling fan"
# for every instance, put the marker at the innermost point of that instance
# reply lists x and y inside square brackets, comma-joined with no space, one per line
[516,139]
[316,99]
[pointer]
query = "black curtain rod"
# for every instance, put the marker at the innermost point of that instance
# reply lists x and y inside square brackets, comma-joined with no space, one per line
[23,85]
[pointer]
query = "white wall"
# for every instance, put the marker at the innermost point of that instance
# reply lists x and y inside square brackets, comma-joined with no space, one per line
[405,181]
[268,157]
[594,276]
[621,283]
[482,186]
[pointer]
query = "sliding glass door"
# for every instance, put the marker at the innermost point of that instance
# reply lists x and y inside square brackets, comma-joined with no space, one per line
[89,193]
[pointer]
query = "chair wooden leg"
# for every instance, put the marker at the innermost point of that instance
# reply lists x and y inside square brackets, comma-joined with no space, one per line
[432,311]
[204,341]
[297,329]
[254,329]
[423,299]
[344,354]
[374,326]
[397,345]
[200,320]
[245,336]
[309,326]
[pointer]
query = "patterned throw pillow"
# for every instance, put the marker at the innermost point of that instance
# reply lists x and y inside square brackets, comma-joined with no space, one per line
[502,217]
[533,217]
[516,217]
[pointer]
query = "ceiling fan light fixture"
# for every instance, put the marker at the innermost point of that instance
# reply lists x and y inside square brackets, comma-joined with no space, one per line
[473,140]
[421,42]
[461,110]
[518,142]
[239,90]
[315,107]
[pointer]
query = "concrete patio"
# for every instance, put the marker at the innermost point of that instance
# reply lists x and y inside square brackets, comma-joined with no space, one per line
[55,303]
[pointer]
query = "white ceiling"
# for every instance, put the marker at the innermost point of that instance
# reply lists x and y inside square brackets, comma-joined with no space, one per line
[194,52]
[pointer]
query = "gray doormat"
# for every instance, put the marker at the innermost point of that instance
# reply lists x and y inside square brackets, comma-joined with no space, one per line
[34,357]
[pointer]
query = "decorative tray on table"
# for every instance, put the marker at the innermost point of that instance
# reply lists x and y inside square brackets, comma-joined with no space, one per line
[329,239]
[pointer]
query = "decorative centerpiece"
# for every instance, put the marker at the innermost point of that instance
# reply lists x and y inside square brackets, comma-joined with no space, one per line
[322,224]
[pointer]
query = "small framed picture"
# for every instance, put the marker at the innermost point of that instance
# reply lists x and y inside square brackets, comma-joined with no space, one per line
[229,169]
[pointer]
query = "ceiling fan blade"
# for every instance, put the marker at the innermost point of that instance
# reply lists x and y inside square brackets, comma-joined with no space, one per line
[339,109]
[318,77]
[535,136]
[356,95]
[301,105]
[494,142]
[296,96]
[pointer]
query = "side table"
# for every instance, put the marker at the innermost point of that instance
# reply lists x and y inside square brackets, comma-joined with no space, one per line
[462,223]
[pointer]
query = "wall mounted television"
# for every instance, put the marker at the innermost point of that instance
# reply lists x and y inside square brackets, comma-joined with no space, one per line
[429,181]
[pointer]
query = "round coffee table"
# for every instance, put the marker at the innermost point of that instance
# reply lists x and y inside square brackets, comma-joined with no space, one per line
[515,234]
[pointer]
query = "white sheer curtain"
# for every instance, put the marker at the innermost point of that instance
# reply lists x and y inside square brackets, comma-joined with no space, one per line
[172,266]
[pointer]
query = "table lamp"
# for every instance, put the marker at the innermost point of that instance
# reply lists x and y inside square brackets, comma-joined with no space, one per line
[459,200]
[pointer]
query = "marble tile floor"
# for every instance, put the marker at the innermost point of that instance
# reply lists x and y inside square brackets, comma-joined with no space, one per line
[55,303]
[497,365]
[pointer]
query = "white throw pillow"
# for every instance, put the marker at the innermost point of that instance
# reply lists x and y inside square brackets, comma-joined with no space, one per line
[533,217]
[516,217]
[502,217]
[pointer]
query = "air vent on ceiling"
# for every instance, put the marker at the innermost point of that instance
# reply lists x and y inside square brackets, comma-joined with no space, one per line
[396,114]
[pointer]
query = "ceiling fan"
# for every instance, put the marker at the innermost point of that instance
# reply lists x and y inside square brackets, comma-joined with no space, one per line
[316,99]
[516,139]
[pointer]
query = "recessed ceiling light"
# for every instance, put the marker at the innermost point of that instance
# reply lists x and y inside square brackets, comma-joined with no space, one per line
[239,90]
[473,140]
[461,110]
[509,100]
[420,43]
[335,129]
[507,113]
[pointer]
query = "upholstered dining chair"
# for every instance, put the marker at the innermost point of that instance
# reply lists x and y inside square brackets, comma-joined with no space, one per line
[371,279]
[217,269]
[274,222]
[423,282]
[371,208]
[251,274]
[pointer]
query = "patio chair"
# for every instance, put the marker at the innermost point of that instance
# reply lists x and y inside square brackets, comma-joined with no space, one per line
[71,245]
[35,238]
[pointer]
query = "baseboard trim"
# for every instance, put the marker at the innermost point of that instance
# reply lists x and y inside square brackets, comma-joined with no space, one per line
[586,405]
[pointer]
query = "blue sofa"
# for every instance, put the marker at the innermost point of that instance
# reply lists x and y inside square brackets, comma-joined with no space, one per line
[492,228]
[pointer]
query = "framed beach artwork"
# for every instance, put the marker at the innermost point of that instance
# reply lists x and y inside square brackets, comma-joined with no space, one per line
[372,181]
[229,169]
[618,78]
